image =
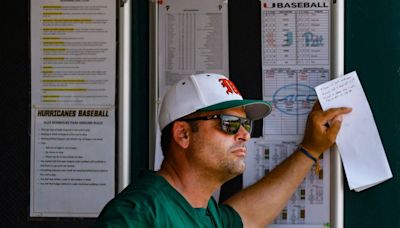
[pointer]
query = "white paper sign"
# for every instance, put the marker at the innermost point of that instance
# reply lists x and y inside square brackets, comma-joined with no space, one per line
[73,59]
[72,161]
[358,141]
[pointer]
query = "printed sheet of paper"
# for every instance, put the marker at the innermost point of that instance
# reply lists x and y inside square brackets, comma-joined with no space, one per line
[308,204]
[73,75]
[358,141]
[193,38]
[295,59]
[72,161]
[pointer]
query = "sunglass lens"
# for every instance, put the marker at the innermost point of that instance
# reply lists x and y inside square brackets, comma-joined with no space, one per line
[233,127]
[247,124]
[231,124]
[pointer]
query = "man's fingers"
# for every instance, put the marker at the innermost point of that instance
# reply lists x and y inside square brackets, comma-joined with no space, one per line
[333,112]
[322,127]
[338,118]
[333,130]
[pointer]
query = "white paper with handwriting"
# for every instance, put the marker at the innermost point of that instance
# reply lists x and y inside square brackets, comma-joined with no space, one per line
[358,141]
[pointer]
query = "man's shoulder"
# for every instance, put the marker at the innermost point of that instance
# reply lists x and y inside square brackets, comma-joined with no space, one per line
[136,206]
[147,186]
[144,196]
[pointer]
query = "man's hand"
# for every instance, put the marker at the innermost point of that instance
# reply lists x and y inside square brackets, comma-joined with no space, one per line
[322,128]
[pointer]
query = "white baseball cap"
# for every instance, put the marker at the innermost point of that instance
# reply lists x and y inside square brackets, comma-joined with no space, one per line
[206,92]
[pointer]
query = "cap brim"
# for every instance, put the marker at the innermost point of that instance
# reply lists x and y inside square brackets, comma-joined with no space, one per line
[255,109]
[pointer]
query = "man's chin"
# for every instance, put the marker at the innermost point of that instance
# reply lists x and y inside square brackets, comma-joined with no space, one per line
[239,169]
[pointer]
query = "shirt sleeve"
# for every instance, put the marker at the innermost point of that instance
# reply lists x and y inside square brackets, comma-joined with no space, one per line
[229,217]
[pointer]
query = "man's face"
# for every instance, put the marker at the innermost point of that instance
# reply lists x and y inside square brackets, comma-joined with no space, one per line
[216,152]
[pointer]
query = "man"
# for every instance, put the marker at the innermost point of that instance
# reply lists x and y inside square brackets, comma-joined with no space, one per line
[205,124]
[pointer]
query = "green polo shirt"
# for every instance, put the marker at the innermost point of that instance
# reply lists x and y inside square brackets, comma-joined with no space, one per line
[153,202]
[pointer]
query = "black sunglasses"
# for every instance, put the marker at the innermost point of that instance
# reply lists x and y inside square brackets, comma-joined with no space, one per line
[229,124]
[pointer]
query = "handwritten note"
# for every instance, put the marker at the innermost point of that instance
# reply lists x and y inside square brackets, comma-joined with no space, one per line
[339,88]
[358,141]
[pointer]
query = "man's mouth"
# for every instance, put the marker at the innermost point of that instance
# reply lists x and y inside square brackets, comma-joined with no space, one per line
[239,151]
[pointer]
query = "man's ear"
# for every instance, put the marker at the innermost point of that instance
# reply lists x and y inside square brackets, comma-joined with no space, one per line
[180,133]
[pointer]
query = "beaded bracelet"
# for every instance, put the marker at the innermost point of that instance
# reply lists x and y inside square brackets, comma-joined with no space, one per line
[316,160]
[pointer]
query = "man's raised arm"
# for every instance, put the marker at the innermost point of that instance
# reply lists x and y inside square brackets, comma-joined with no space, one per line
[259,204]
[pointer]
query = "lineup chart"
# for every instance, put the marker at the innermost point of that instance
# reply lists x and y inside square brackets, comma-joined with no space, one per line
[295,58]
